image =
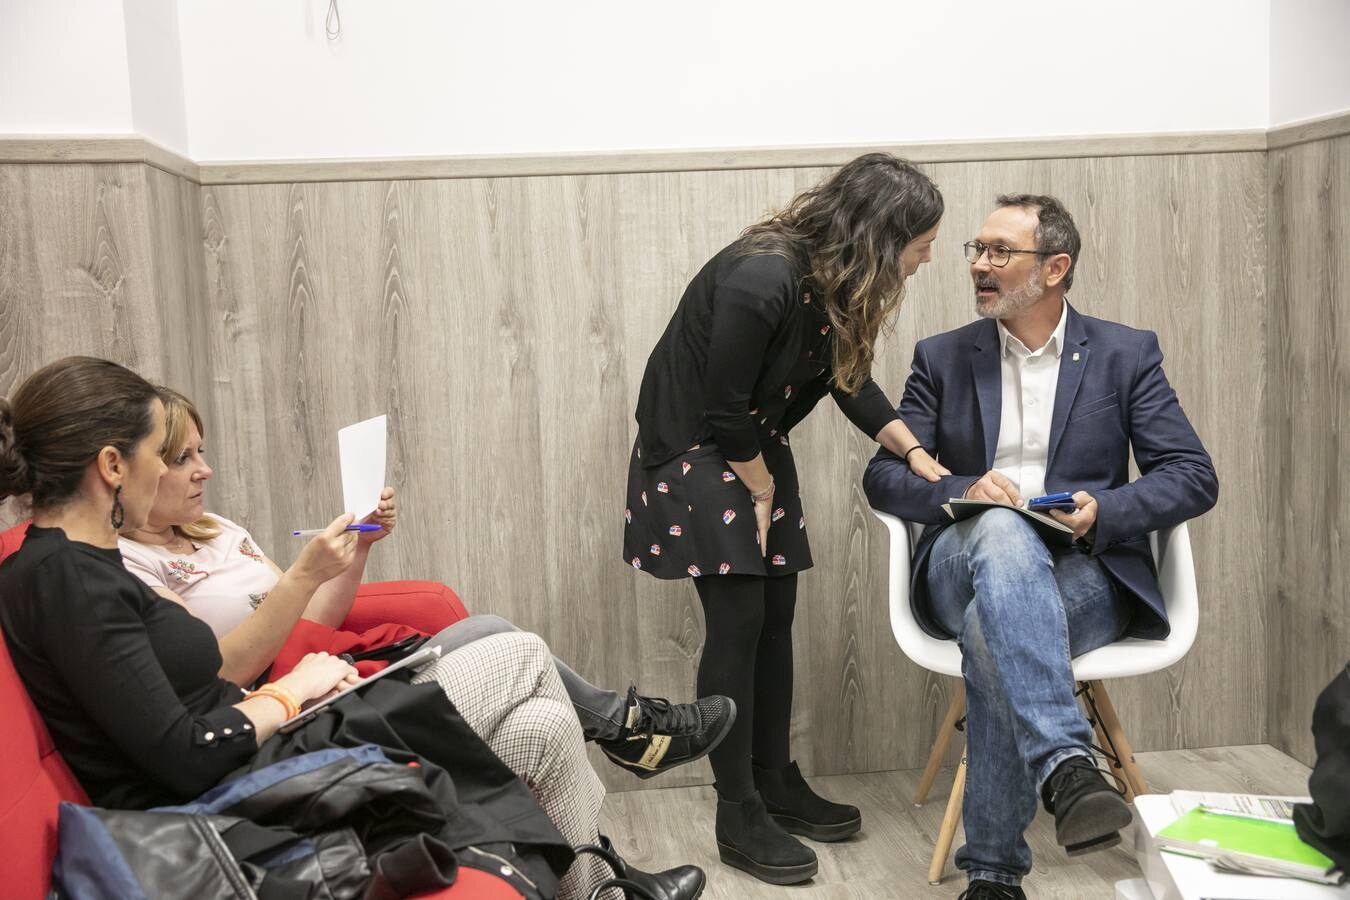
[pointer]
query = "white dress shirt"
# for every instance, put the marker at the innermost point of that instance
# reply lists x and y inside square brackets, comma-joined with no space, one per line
[1029,381]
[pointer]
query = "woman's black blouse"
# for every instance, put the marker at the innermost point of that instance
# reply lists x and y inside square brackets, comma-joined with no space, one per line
[742,328]
[126,681]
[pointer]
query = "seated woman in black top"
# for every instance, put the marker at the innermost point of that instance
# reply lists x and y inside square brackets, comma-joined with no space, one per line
[128,682]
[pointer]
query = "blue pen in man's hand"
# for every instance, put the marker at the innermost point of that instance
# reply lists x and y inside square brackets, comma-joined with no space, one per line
[363,527]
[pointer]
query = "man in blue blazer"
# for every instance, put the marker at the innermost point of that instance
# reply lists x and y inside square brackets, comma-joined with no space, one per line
[1034,398]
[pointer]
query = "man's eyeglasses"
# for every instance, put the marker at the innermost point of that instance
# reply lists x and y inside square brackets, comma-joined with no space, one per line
[999,255]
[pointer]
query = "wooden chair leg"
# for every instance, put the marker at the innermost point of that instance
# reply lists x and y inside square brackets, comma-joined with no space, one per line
[1092,710]
[947,834]
[1120,744]
[955,710]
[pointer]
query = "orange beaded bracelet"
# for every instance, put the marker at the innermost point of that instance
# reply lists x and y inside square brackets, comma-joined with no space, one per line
[279,694]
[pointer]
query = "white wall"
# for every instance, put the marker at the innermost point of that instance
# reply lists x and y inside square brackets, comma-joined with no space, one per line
[258,79]
[92,67]
[1309,59]
[63,68]
[155,66]
[433,77]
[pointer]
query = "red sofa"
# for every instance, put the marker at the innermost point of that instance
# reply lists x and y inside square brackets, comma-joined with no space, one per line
[34,778]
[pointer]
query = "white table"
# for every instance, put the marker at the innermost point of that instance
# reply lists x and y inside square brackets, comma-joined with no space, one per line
[1170,876]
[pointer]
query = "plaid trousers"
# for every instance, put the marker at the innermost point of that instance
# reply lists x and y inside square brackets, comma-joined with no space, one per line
[508,691]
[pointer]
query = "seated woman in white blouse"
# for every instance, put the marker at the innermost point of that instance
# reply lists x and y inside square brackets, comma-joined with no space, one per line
[214,568]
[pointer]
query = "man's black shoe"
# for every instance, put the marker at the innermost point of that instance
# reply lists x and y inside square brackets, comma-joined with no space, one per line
[991,890]
[1089,813]
[661,735]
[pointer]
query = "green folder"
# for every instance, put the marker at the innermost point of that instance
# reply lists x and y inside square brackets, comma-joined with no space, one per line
[1202,832]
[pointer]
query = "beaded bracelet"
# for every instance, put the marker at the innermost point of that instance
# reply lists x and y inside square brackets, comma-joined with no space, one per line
[279,694]
[763,495]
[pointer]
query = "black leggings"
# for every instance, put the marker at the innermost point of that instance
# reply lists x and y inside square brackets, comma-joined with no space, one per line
[748,657]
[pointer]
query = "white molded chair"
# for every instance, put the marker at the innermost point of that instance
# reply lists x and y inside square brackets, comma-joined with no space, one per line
[1125,658]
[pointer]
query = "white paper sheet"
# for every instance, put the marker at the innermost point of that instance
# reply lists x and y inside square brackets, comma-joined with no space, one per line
[361,451]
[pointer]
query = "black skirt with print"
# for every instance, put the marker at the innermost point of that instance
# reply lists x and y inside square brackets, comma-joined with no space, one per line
[692,517]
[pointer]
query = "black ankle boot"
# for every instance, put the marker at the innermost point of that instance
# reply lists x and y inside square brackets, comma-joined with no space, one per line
[801,810]
[749,840]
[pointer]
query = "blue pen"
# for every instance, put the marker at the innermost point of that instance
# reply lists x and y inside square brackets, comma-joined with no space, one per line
[310,532]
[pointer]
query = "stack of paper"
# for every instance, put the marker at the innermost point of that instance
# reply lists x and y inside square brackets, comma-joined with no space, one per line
[1247,843]
[1279,809]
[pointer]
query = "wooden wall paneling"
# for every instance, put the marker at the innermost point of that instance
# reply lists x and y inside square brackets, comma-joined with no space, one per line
[505,323]
[1200,265]
[179,280]
[1306,408]
[78,270]
[234,407]
[93,261]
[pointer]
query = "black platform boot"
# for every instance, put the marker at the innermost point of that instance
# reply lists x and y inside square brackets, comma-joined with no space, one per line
[749,840]
[801,810]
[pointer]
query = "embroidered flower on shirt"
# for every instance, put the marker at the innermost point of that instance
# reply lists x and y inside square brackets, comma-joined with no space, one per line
[184,571]
[247,549]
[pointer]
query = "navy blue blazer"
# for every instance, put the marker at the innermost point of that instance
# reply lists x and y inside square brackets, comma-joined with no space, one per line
[1111,394]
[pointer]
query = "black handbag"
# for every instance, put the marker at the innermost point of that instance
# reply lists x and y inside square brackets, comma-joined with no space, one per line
[337,824]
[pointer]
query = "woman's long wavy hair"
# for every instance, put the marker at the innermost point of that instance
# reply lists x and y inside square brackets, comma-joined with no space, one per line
[178,414]
[848,232]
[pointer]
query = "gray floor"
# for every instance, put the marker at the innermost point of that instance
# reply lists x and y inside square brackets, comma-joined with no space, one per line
[654,829]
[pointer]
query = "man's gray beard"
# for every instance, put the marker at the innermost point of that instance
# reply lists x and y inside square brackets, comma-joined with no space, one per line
[1014,302]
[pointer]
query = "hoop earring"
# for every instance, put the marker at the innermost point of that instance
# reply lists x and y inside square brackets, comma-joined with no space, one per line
[118,514]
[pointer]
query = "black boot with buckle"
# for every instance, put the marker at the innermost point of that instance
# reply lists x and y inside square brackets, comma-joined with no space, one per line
[801,810]
[679,883]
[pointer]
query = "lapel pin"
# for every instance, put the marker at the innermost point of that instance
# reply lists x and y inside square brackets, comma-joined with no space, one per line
[1075,357]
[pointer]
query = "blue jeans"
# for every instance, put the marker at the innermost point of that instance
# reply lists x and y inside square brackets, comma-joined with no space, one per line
[1020,612]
